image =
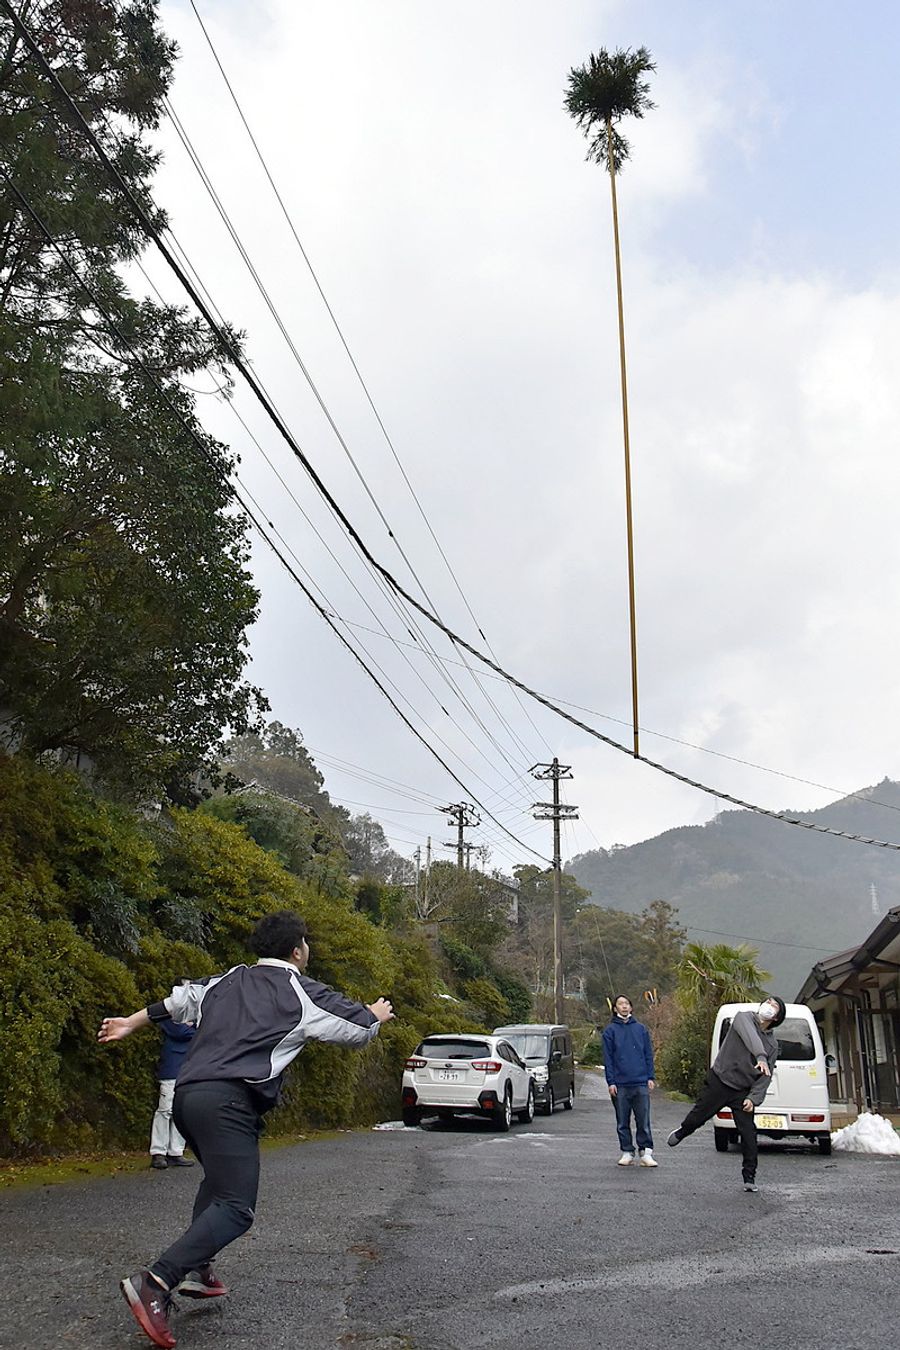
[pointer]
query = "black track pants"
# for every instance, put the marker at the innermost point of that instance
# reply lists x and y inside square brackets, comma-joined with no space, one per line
[714,1096]
[222,1125]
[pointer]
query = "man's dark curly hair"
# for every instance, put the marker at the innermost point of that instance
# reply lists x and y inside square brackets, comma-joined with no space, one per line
[278,934]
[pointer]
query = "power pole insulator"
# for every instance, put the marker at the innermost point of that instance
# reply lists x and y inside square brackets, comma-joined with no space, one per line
[464,816]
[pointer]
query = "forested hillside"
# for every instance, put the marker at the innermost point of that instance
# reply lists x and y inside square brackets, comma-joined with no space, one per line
[749,876]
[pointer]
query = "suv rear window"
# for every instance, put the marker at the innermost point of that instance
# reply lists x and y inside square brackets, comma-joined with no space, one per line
[441,1048]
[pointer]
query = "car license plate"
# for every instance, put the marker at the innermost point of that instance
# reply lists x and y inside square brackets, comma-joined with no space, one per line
[448,1076]
[771,1122]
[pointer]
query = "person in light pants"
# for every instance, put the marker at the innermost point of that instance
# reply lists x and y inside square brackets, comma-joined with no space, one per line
[167,1144]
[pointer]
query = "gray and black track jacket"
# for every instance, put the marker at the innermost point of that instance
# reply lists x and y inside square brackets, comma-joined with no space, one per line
[253,1021]
[744,1046]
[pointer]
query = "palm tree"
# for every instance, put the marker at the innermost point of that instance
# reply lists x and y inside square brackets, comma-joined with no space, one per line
[609,87]
[710,975]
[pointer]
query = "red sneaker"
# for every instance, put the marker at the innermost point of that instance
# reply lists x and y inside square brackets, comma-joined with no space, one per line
[150,1304]
[202,1283]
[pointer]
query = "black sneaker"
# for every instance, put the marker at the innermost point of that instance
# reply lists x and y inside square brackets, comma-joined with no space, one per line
[159,1161]
[150,1304]
[202,1283]
[178,1160]
[674,1139]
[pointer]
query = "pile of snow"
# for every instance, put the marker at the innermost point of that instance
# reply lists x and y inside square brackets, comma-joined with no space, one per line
[868,1134]
[390,1125]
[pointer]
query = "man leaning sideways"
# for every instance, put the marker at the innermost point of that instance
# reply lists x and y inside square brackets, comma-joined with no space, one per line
[628,1064]
[739,1079]
[251,1023]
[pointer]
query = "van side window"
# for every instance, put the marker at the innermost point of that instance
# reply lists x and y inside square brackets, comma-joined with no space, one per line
[795,1039]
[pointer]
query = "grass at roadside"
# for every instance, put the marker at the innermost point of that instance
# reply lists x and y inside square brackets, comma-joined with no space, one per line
[22,1173]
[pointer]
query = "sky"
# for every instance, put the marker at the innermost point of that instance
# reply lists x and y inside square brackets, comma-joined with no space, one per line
[464,244]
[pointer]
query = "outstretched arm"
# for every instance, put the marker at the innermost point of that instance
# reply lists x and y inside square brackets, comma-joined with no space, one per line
[117,1028]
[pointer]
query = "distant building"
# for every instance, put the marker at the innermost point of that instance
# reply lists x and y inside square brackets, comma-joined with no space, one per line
[855,997]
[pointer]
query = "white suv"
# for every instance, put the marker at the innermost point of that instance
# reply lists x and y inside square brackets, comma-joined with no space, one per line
[467,1073]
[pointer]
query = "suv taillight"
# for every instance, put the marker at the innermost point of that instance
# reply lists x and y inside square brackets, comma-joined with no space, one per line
[487,1065]
[414,1063]
[725,1113]
[810,1119]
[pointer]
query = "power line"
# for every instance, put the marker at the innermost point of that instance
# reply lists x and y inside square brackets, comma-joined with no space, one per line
[273,310]
[766,942]
[194,435]
[358,373]
[237,359]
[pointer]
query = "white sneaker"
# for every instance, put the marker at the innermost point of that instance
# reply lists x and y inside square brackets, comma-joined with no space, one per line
[626,1160]
[647,1158]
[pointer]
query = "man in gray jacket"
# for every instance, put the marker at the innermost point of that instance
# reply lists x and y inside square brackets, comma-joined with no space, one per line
[739,1079]
[251,1023]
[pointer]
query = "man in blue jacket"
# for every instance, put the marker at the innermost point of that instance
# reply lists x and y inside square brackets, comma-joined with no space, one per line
[628,1064]
[166,1140]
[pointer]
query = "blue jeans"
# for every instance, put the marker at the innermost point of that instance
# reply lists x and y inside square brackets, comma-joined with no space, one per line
[633,1098]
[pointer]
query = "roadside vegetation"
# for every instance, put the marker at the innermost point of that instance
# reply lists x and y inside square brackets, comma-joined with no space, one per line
[150,812]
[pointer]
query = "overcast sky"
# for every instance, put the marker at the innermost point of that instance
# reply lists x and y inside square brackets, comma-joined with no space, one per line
[464,245]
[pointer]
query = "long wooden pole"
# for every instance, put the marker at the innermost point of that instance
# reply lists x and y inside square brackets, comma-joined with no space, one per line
[629,527]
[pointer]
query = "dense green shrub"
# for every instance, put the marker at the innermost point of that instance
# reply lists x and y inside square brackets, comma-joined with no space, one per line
[683,1060]
[103,911]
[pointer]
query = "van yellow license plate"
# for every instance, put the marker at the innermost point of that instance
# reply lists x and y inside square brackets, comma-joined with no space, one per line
[771,1122]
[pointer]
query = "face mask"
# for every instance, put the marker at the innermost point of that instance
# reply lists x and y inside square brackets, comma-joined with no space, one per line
[768,1010]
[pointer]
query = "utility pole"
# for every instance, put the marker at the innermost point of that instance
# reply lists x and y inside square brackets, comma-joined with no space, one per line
[426,901]
[418,861]
[556,812]
[463,816]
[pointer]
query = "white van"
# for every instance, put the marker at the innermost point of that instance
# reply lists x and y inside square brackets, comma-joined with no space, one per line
[797,1100]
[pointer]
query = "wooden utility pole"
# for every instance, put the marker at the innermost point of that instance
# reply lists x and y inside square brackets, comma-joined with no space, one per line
[464,817]
[556,812]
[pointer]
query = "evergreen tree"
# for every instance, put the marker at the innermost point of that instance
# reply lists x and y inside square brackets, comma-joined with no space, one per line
[124,591]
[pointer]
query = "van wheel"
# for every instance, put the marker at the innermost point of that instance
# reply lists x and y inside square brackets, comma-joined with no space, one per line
[527,1116]
[412,1116]
[503,1115]
[721,1138]
[549,1103]
[824,1143]
[570,1099]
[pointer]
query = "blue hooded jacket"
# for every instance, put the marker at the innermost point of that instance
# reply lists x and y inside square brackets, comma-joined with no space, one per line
[627,1053]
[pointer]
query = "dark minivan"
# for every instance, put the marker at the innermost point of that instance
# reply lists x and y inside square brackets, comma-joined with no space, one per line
[547,1052]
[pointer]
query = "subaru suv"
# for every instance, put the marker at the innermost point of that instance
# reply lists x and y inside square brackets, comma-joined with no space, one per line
[453,1073]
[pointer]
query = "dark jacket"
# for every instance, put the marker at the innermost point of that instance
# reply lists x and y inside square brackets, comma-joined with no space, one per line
[254,1020]
[176,1040]
[627,1053]
[742,1049]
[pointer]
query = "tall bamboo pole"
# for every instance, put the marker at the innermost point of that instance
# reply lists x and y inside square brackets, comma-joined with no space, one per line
[629,527]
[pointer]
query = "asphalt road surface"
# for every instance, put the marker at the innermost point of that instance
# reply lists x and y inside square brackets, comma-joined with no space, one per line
[453,1236]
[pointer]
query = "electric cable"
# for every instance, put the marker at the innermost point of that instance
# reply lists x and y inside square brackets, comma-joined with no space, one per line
[240,364]
[273,310]
[358,373]
[198,440]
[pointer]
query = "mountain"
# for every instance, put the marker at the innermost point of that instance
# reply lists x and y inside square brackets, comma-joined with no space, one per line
[747,876]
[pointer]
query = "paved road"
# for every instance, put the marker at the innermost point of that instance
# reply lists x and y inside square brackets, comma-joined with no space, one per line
[453,1237]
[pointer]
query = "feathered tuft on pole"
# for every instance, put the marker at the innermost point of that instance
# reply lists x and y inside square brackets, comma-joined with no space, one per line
[608,87]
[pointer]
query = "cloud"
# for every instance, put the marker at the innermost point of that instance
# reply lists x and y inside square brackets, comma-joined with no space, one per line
[442,195]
